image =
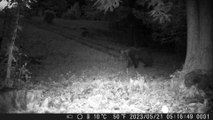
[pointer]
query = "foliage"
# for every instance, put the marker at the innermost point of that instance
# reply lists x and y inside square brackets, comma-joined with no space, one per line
[49,16]
[12,16]
[20,3]
[82,9]
[73,13]
[104,95]
[58,6]
[107,5]
[159,8]
[171,35]
[91,13]
[173,32]
[21,71]
[148,14]
[68,14]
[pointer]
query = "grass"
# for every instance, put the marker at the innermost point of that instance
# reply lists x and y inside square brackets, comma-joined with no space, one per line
[74,78]
[139,95]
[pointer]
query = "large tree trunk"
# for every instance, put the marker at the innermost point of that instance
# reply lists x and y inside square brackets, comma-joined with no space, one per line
[206,33]
[192,34]
[199,35]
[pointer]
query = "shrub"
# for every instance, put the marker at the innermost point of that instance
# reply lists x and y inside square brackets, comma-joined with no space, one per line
[72,13]
[69,15]
[49,16]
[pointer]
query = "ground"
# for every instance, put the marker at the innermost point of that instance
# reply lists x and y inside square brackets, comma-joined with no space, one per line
[67,53]
[85,74]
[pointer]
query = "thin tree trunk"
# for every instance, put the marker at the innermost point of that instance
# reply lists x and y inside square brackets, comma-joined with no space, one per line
[9,82]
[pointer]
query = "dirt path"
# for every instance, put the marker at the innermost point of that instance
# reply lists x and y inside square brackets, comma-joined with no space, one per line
[65,57]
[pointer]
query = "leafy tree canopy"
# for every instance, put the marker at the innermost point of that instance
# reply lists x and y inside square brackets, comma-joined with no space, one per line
[159,8]
[14,3]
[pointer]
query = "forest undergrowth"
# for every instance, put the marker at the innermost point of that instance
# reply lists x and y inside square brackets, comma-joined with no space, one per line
[73,78]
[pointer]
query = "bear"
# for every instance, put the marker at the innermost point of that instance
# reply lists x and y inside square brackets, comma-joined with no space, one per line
[136,55]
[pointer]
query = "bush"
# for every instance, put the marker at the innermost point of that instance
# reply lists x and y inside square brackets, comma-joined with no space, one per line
[69,15]
[72,13]
[49,16]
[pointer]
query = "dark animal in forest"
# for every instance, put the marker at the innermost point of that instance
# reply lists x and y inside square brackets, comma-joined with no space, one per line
[136,55]
[200,78]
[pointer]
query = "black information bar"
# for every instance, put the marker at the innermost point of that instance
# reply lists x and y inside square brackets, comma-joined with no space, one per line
[107,116]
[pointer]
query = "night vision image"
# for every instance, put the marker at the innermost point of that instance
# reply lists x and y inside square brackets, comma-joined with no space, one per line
[106,56]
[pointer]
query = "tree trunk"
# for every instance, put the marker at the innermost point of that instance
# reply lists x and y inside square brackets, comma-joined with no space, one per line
[206,33]
[192,34]
[8,80]
[199,35]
